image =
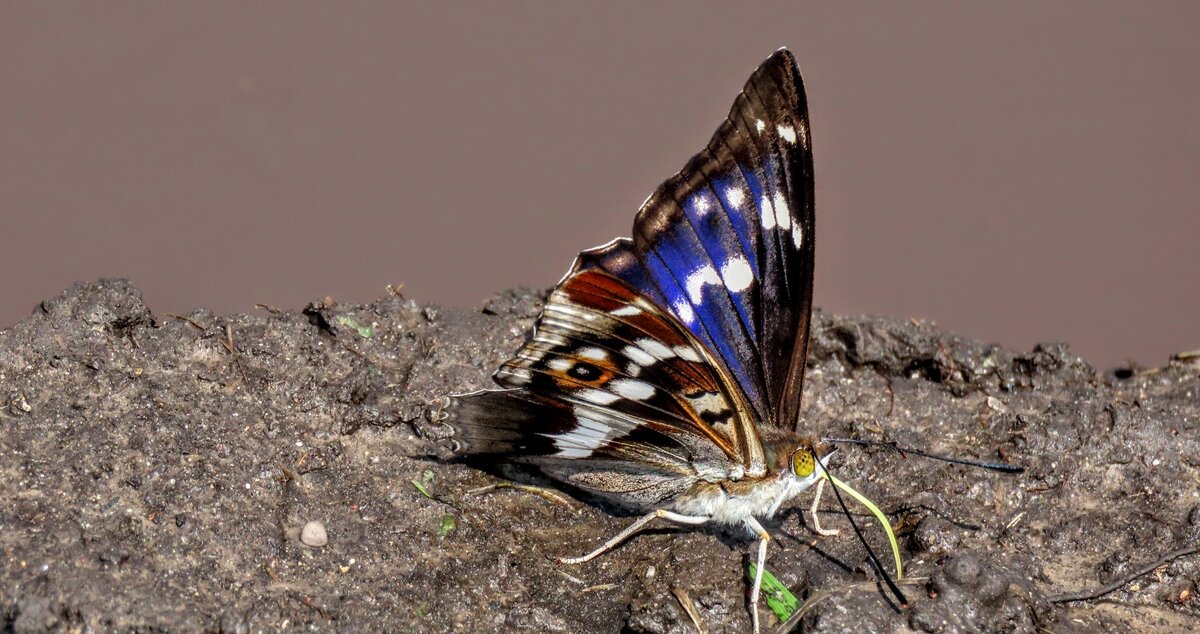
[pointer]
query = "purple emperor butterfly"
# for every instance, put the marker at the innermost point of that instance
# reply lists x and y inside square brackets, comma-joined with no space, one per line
[665,371]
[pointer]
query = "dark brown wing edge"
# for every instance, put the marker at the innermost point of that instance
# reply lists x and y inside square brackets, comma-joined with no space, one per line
[784,72]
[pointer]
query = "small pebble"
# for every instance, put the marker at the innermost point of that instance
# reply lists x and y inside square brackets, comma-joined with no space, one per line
[313,534]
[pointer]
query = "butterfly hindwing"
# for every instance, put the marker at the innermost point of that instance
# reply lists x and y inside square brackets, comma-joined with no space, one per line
[599,451]
[601,345]
[612,395]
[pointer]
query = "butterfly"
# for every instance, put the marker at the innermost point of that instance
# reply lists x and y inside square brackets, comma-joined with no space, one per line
[664,373]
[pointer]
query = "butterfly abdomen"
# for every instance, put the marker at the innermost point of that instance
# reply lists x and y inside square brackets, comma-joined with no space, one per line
[731,503]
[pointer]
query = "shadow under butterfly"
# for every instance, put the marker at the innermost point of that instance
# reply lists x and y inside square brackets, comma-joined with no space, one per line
[665,372]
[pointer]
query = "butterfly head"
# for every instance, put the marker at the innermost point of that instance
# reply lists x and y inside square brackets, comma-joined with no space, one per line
[807,463]
[805,466]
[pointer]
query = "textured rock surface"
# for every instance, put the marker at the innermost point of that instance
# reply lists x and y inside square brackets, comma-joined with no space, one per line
[156,472]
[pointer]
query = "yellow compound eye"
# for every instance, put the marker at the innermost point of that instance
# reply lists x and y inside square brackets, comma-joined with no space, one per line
[803,463]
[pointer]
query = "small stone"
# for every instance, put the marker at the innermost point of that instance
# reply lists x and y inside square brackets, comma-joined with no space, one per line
[18,405]
[963,570]
[313,534]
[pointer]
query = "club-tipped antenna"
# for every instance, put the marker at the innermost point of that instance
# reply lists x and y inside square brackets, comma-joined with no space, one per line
[1002,467]
[895,589]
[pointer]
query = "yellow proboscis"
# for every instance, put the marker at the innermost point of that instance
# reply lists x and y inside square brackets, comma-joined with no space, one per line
[887,527]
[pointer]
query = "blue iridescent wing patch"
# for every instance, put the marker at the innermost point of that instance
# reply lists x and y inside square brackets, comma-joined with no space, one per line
[726,245]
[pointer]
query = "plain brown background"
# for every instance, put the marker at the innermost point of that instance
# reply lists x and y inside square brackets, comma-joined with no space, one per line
[1017,172]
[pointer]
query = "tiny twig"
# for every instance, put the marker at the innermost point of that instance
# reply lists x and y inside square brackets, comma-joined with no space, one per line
[572,578]
[188,320]
[1084,595]
[689,606]
[233,351]
[541,492]
[599,588]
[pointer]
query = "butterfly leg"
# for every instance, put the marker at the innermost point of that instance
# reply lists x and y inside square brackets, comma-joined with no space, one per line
[763,538]
[633,528]
[826,532]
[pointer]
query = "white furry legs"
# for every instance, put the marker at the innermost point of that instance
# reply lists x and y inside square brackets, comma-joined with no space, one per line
[690,520]
[756,589]
[825,532]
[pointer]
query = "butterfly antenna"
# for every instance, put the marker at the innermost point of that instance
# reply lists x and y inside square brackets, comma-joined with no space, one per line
[1002,467]
[895,589]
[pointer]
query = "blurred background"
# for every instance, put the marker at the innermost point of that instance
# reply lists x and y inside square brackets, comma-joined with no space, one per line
[1017,172]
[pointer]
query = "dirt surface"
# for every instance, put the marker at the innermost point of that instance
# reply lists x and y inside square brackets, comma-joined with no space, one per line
[157,472]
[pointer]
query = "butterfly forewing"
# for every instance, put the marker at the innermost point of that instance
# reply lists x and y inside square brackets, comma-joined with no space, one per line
[726,245]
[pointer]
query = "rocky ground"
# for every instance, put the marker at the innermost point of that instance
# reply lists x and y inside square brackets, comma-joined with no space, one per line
[157,473]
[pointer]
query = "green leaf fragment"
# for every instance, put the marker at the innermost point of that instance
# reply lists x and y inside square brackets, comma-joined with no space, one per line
[779,599]
[366,332]
[446,525]
[421,487]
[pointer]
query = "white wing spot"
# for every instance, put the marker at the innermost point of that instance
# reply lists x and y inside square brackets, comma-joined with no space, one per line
[559,364]
[656,349]
[593,353]
[639,356]
[587,436]
[626,311]
[566,450]
[737,274]
[516,379]
[632,389]
[708,402]
[767,213]
[787,132]
[599,397]
[687,353]
[633,369]
[797,235]
[783,216]
[703,204]
[759,125]
[735,196]
[698,278]
[683,311]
